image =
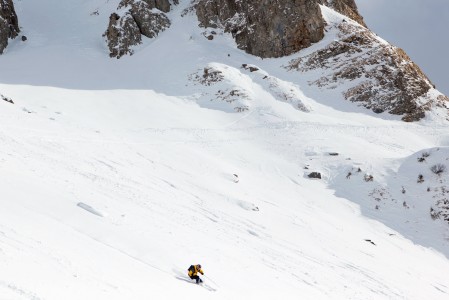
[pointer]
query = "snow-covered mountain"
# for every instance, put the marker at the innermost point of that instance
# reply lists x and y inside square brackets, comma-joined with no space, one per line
[118,174]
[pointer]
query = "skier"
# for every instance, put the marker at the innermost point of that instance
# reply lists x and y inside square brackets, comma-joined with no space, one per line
[193,273]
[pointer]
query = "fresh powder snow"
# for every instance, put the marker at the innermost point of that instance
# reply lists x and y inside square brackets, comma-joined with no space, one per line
[117,175]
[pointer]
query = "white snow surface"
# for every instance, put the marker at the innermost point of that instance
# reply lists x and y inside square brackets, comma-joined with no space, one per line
[117,175]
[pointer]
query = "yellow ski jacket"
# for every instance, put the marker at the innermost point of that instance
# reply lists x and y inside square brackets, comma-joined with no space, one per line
[194,269]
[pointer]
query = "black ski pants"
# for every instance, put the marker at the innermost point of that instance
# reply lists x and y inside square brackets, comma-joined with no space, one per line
[197,278]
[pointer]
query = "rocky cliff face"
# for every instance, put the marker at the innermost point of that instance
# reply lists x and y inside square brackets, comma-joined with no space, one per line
[133,19]
[270,28]
[9,25]
[265,28]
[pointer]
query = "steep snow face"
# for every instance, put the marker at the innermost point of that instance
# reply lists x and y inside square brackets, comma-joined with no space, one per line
[116,175]
[113,194]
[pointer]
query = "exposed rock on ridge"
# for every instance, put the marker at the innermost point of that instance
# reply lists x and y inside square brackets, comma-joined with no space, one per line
[9,25]
[373,73]
[133,19]
[265,28]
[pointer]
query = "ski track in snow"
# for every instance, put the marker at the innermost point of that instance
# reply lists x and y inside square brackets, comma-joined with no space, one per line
[13,292]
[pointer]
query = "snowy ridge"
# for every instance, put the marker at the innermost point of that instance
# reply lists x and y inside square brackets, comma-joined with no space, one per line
[139,143]
[365,69]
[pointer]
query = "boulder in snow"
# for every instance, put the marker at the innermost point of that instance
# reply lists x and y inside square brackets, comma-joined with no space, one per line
[315,175]
[9,100]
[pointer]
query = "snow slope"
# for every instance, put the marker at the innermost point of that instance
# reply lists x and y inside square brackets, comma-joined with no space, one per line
[116,175]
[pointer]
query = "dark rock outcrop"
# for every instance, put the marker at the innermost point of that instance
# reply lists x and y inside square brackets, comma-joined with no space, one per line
[9,24]
[315,175]
[122,34]
[265,28]
[148,22]
[136,18]
[272,28]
